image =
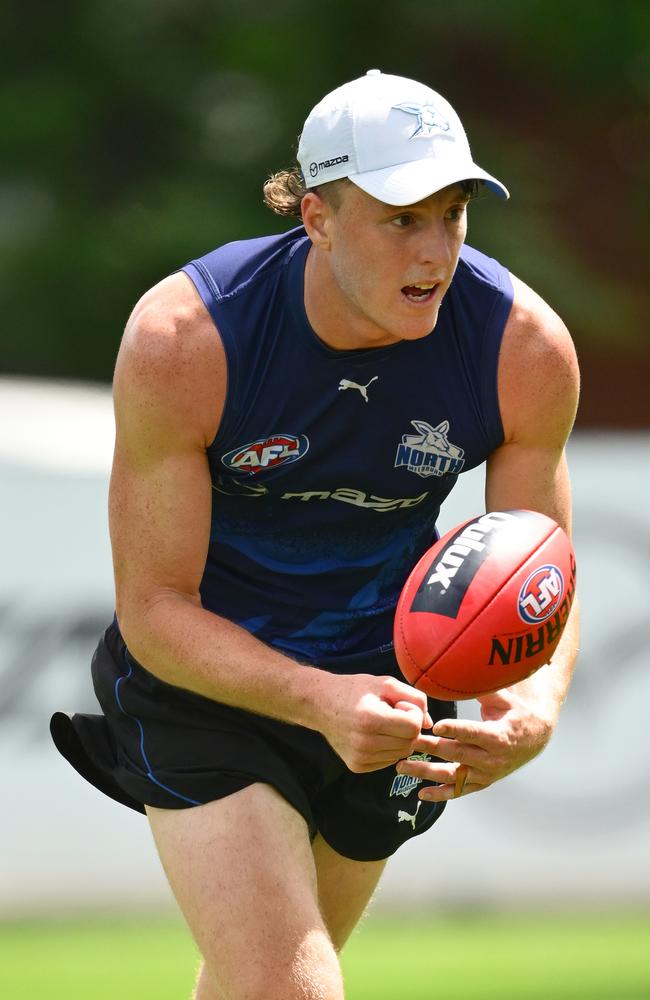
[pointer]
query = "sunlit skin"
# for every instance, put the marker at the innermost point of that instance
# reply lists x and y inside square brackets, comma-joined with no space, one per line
[366,255]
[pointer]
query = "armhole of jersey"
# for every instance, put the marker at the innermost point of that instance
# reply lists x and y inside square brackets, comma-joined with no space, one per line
[211,297]
[491,350]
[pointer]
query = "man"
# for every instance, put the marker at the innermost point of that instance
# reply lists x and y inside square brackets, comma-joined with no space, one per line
[263,523]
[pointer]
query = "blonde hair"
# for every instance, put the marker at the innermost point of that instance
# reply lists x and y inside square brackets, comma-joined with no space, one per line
[284,191]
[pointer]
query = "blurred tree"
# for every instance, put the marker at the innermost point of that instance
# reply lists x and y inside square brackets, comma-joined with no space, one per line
[137,133]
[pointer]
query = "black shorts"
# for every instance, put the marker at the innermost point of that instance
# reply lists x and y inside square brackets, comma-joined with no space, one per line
[160,745]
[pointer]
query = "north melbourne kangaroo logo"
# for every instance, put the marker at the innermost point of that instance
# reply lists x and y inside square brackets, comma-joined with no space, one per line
[428,118]
[345,383]
[429,452]
[403,784]
[404,817]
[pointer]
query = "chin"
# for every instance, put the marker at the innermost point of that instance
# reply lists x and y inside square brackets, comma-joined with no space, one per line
[416,331]
[416,334]
[406,328]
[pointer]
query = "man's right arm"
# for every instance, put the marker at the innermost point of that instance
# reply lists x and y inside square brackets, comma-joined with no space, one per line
[169,390]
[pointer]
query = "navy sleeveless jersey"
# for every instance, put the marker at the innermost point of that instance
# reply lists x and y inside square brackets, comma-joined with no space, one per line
[329,467]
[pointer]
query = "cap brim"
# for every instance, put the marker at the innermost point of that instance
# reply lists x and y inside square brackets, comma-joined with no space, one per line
[408,183]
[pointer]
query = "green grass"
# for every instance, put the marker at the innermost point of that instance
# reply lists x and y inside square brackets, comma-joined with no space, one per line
[468,958]
[502,958]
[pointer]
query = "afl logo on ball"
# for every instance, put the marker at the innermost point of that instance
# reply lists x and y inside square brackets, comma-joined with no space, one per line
[541,595]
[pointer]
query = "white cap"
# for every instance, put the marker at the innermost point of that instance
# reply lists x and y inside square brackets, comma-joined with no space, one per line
[396,139]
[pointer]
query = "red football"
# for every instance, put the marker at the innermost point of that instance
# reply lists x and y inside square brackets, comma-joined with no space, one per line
[486,605]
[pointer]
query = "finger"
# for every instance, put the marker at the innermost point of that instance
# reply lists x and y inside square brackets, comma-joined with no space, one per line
[396,691]
[428,744]
[406,706]
[467,731]
[385,743]
[460,780]
[383,751]
[401,722]
[428,771]
[451,750]
[376,762]
[445,793]
[487,742]
[442,772]
[428,721]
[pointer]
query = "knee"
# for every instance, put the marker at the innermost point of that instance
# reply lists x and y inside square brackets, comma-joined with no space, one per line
[206,988]
[314,975]
[312,972]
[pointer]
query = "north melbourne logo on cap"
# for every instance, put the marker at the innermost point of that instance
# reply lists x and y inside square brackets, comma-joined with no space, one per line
[352,132]
[427,116]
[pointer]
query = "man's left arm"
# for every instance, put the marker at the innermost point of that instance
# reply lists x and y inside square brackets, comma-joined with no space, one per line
[538,390]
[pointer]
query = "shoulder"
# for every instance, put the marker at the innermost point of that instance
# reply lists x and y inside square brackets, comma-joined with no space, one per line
[169,316]
[480,296]
[171,362]
[478,268]
[538,368]
[243,265]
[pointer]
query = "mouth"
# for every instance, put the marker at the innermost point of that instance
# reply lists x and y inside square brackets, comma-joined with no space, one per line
[421,293]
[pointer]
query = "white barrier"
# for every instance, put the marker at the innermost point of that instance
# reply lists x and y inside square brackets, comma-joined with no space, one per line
[572,827]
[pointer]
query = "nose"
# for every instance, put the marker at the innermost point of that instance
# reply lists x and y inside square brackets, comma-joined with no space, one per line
[437,245]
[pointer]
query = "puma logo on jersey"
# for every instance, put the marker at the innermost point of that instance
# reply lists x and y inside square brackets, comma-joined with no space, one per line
[345,383]
[404,817]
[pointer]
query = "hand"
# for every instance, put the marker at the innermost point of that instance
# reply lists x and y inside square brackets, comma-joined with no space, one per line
[514,729]
[372,722]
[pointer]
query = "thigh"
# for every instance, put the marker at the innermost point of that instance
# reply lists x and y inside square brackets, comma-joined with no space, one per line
[345,888]
[243,873]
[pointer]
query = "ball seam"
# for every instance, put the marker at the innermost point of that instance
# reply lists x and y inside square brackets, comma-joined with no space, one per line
[423,672]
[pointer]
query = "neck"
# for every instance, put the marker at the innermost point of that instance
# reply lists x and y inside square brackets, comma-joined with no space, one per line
[336,320]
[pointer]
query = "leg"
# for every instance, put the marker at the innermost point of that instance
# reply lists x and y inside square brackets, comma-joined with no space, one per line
[205,988]
[345,888]
[243,873]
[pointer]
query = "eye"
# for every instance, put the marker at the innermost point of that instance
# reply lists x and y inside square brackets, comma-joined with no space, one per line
[401,221]
[455,213]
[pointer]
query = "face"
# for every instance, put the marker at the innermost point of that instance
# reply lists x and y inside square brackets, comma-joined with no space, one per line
[390,267]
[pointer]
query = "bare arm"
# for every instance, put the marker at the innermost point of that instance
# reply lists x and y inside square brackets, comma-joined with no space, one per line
[529,470]
[170,384]
[538,390]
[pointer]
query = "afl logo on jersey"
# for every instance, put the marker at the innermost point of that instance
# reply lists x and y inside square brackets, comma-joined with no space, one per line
[541,595]
[266,453]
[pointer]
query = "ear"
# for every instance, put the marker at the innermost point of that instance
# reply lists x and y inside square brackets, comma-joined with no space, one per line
[316,218]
